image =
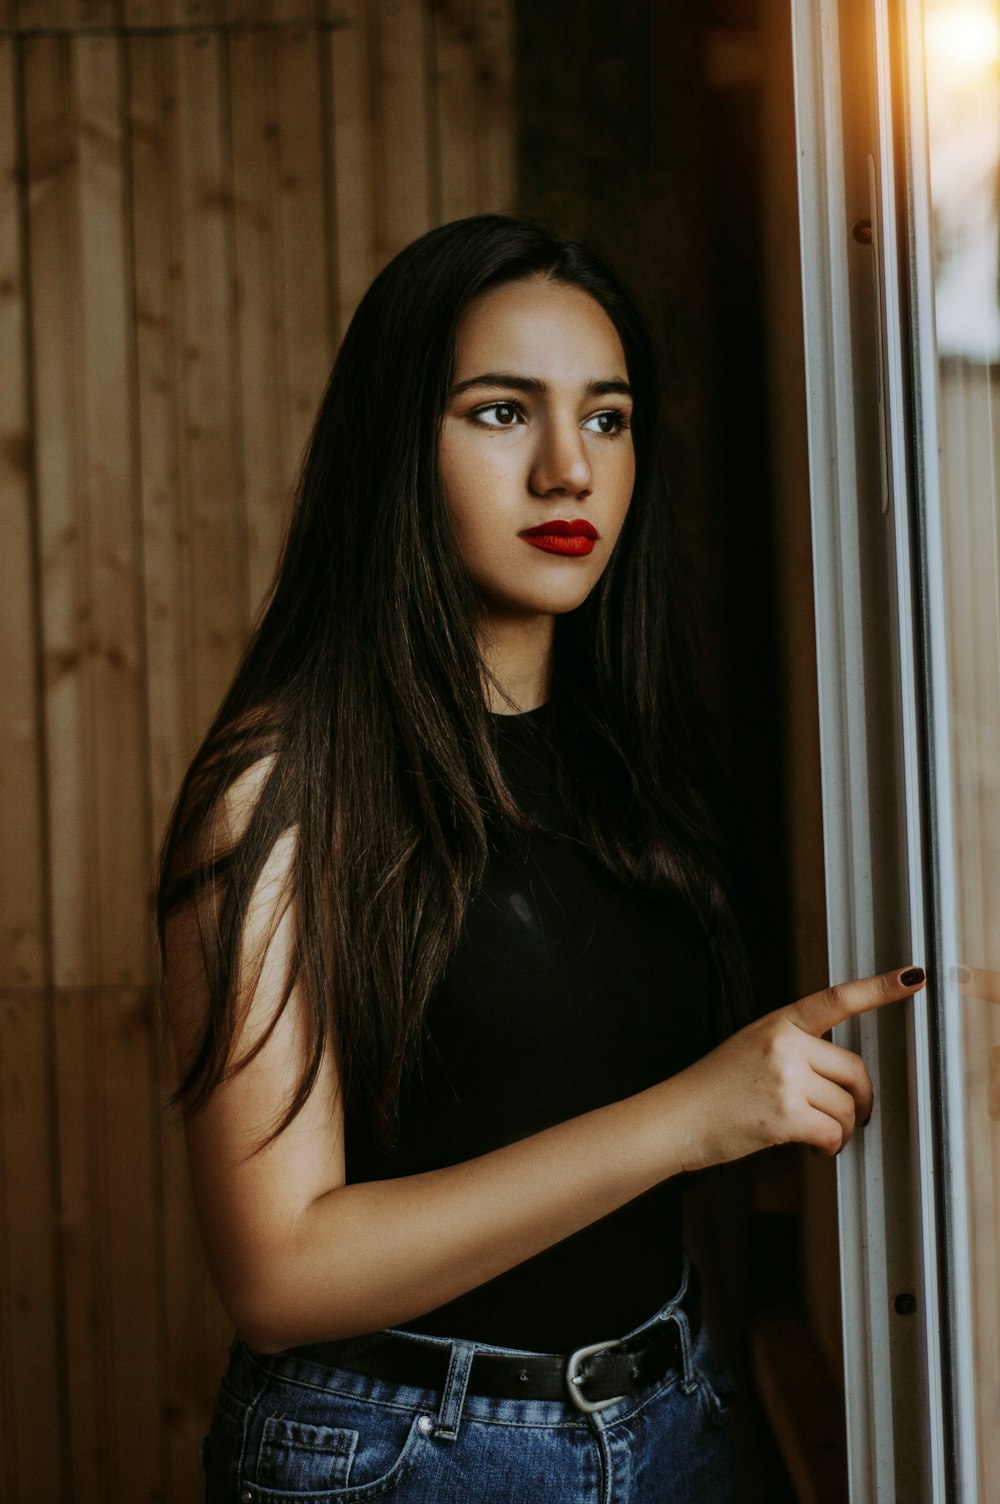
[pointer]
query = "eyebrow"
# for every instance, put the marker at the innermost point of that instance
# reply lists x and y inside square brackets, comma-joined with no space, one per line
[614,385]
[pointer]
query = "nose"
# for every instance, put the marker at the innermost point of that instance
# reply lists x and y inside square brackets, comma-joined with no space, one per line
[560,464]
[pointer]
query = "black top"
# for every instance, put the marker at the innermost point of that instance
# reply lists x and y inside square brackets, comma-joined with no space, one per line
[567,991]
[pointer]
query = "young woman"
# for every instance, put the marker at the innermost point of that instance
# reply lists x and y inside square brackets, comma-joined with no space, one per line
[449,964]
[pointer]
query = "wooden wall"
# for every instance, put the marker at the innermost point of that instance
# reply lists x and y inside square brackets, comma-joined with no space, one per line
[193,195]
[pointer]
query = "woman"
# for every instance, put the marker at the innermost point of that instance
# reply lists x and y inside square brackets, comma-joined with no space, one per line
[448,955]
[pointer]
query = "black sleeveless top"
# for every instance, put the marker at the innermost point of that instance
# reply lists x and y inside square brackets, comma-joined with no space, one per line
[567,991]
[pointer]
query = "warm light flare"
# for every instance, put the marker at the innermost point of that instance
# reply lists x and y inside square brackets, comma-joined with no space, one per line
[962,39]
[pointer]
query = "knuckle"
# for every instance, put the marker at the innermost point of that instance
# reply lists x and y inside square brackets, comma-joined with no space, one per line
[834,996]
[780,1043]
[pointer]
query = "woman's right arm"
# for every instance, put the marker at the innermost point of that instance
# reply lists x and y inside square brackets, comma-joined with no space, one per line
[299,1256]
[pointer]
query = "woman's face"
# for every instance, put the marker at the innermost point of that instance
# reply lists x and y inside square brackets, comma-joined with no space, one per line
[536,456]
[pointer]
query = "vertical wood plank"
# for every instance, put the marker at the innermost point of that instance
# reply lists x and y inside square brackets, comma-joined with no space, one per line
[494,33]
[403,157]
[455,113]
[22,881]
[84,458]
[350,56]
[198,1332]
[68,15]
[110,1252]
[284,315]
[170,13]
[194,550]
[262,12]
[112,1301]
[193,537]
[30,1376]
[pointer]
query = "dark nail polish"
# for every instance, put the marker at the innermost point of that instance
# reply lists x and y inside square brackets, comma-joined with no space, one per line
[913,977]
[869,1117]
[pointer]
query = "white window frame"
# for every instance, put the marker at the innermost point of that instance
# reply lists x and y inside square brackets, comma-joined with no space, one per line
[871,386]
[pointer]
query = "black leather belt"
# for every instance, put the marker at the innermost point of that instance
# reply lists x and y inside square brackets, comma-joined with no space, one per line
[591,1378]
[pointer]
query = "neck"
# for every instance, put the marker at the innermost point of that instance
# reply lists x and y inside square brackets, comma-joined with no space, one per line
[517,652]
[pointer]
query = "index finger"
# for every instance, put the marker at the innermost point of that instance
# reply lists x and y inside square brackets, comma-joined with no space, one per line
[821,1011]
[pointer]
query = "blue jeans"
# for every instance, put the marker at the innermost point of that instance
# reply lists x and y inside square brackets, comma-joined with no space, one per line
[287,1428]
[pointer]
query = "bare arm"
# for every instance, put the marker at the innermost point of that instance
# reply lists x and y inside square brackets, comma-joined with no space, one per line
[299,1256]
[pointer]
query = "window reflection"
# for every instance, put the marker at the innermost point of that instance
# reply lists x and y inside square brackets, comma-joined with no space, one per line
[963,86]
[963,98]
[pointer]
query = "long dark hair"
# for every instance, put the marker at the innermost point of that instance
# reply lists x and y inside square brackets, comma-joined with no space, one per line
[363,688]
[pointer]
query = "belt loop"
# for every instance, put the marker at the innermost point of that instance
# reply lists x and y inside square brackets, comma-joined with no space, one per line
[674,1311]
[455,1385]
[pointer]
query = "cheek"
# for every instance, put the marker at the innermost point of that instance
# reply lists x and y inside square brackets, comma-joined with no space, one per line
[477,488]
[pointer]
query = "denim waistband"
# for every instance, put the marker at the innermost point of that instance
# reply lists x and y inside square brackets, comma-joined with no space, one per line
[317,1366]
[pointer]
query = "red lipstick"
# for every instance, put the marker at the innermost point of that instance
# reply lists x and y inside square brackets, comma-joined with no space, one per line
[561,537]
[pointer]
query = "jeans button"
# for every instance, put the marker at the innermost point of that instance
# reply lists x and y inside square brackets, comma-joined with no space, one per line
[246,1496]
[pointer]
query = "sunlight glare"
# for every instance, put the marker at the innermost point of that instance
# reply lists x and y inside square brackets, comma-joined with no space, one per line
[963,39]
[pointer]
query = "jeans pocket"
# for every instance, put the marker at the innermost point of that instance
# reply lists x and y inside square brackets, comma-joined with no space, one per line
[296,1457]
[355,1451]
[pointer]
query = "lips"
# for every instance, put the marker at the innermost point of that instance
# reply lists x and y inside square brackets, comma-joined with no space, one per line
[574,538]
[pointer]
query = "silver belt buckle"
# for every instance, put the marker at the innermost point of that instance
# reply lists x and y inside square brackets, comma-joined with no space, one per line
[574,1379]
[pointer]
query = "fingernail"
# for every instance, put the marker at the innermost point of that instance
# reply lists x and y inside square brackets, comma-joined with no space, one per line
[960,974]
[869,1117]
[913,977]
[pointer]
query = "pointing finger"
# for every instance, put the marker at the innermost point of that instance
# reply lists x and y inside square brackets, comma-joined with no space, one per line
[821,1011]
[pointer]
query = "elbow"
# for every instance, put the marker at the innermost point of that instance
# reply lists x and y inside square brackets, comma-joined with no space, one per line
[276,1286]
[265,1312]
[274,1307]
[268,1330]
[263,1336]
[257,1294]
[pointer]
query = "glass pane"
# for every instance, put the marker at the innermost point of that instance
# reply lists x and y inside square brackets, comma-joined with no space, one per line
[962,41]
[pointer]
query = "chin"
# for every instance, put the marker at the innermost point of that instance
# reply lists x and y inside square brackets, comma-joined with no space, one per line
[552,592]
[529,607]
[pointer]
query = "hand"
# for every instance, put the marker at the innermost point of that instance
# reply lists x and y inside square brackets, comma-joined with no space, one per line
[779,1081]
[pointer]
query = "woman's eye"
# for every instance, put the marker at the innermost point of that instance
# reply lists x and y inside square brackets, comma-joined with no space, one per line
[610,422]
[498,414]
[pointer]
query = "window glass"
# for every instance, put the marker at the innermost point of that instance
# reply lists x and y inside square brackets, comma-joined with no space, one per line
[962,46]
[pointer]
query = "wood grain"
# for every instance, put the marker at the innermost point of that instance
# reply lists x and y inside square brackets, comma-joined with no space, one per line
[285,319]
[22,877]
[198,1332]
[74,16]
[188,216]
[494,34]
[31,1377]
[172,13]
[256,12]
[195,565]
[110,1244]
[194,548]
[402,126]
[351,59]
[453,74]
[85,463]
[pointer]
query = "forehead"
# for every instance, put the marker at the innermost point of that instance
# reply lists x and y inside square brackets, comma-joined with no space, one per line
[538,327]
